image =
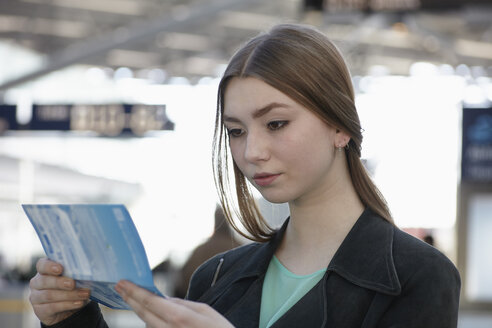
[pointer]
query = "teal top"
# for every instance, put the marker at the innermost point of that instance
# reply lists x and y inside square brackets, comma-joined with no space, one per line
[282,289]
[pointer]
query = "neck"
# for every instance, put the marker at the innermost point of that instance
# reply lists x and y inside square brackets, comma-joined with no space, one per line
[318,226]
[324,222]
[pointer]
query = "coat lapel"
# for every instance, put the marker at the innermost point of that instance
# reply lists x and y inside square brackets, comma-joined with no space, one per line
[365,257]
[310,310]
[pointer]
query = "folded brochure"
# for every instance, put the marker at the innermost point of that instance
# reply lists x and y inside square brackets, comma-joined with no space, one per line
[98,245]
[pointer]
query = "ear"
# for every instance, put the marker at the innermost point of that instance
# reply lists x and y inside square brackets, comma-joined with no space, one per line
[341,138]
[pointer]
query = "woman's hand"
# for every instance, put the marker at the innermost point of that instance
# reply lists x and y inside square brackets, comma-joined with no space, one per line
[54,297]
[159,312]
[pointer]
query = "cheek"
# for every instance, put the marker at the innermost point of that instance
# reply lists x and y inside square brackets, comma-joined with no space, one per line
[299,145]
[236,152]
[307,151]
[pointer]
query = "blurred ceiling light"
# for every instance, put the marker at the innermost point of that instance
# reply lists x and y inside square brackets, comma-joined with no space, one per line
[364,83]
[179,80]
[478,71]
[24,107]
[378,70]
[463,70]
[139,59]
[95,75]
[446,69]
[61,28]
[124,7]
[206,80]
[183,41]
[123,73]
[423,69]
[245,21]
[157,75]
[472,48]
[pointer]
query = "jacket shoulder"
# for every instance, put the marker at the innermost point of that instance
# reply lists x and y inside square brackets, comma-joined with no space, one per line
[412,254]
[430,286]
[419,263]
[213,269]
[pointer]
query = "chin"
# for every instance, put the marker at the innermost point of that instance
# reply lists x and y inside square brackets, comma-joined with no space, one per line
[275,198]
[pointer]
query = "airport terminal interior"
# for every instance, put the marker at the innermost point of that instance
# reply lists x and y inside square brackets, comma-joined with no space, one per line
[113,102]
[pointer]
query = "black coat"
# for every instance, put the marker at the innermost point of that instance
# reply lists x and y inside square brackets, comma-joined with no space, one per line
[379,277]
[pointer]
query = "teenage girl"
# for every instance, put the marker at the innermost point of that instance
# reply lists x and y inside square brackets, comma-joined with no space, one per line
[287,124]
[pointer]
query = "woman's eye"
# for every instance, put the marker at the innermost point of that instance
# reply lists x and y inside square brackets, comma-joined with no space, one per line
[276,125]
[234,132]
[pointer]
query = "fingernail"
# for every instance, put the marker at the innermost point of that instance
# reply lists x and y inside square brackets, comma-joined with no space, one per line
[56,269]
[120,291]
[77,303]
[120,287]
[83,293]
[67,284]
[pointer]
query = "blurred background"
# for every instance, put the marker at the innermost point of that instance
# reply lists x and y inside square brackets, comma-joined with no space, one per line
[113,102]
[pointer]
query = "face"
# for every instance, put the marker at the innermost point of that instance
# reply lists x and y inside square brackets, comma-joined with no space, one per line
[282,148]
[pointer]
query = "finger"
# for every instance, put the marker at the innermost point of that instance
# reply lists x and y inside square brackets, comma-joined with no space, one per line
[46,266]
[143,301]
[59,307]
[194,306]
[40,281]
[54,296]
[129,290]
[202,314]
[150,318]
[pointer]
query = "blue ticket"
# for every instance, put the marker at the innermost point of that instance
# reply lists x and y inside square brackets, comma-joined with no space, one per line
[97,244]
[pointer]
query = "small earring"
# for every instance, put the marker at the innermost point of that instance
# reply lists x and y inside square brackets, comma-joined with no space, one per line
[339,148]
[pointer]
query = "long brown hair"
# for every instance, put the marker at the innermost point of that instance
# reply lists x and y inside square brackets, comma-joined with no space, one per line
[304,64]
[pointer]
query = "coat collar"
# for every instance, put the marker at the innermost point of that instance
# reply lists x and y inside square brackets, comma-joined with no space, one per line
[364,258]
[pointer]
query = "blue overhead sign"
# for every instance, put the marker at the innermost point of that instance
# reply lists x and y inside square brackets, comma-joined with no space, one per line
[476,155]
[8,118]
[108,120]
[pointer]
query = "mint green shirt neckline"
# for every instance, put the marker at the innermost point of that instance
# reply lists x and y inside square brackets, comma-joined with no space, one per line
[282,289]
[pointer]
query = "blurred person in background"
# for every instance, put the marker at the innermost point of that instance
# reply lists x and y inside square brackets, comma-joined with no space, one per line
[221,240]
[429,239]
[286,113]
[3,272]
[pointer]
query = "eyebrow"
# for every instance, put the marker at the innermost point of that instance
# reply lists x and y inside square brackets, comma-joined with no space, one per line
[259,112]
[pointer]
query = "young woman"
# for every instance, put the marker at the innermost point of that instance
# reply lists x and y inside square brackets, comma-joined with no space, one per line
[287,116]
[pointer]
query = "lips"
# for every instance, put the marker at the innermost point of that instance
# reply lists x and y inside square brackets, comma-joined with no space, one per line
[265,179]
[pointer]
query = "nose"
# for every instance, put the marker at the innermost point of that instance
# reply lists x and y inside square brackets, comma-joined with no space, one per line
[256,148]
